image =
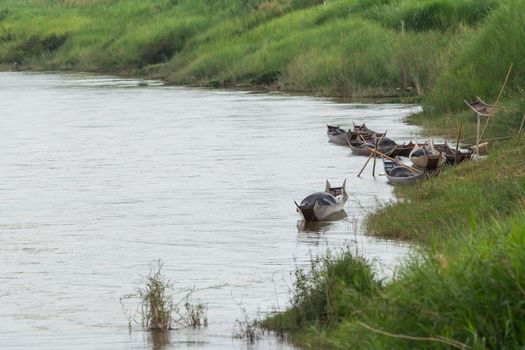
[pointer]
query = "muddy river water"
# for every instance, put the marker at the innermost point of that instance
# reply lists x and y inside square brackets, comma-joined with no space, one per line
[102,175]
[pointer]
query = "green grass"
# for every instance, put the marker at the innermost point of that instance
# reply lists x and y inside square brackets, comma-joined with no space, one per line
[341,49]
[482,63]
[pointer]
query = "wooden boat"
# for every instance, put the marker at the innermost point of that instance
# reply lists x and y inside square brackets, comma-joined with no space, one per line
[365,132]
[385,145]
[337,135]
[453,157]
[480,107]
[402,150]
[397,174]
[427,157]
[363,129]
[321,205]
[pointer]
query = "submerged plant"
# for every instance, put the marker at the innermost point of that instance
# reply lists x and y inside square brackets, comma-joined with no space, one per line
[156,306]
[247,328]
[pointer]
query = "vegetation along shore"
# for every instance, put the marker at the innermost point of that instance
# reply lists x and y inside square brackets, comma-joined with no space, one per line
[465,286]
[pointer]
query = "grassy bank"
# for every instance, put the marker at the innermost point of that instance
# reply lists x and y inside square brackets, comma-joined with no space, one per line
[341,48]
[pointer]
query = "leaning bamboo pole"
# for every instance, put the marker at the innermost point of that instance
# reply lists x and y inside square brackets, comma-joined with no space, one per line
[457,143]
[366,163]
[493,111]
[376,145]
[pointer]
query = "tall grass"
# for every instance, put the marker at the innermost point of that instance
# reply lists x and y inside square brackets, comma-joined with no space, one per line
[330,291]
[483,61]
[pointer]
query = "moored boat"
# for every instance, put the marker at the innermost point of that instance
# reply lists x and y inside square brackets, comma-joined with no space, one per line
[321,205]
[337,135]
[398,174]
[427,157]
[402,150]
[384,145]
[453,157]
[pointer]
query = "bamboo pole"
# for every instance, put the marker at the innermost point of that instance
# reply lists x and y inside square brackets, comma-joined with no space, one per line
[374,166]
[457,144]
[473,142]
[377,143]
[478,124]
[364,166]
[497,101]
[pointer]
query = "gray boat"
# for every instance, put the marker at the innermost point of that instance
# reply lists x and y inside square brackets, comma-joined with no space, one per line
[397,174]
[337,135]
[321,205]
[385,146]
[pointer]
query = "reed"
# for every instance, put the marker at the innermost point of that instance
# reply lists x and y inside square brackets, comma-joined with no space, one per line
[161,306]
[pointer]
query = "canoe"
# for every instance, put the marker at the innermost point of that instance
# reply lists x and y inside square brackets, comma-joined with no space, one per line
[402,150]
[397,175]
[385,146]
[321,205]
[453,157]
[337,135]
[427,157]
[363,129]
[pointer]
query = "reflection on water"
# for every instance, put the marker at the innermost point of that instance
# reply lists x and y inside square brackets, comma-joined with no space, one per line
[102,175]
[158,339]
[320,226]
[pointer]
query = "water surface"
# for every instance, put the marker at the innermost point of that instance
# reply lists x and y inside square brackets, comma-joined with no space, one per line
[102,175]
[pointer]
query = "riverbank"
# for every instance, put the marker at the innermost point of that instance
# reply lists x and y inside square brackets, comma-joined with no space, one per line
[464,289]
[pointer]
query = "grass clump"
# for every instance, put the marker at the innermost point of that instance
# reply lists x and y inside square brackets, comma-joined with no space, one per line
[331,290]
[156,305]
[247,328]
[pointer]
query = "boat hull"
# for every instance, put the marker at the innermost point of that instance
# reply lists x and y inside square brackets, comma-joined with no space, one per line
[319,212]
[339,139]
[396,180]
[364,150]
[399,175]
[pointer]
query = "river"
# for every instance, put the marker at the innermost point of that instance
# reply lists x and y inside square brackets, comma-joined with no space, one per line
[102,175]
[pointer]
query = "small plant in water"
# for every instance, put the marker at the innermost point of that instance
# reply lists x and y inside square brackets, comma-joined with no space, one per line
[156,306]
[247,328]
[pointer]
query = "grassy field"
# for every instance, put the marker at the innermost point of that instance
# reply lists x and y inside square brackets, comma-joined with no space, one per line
[464,287]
